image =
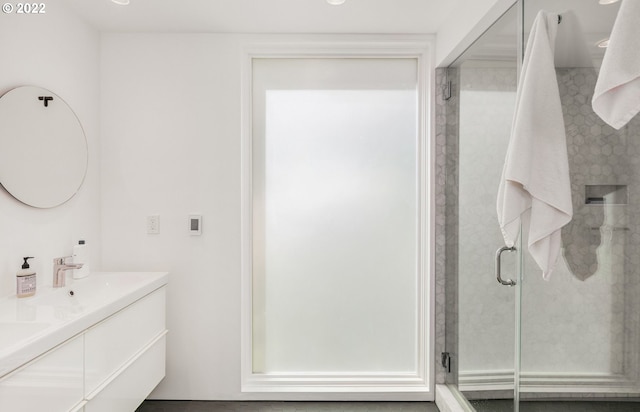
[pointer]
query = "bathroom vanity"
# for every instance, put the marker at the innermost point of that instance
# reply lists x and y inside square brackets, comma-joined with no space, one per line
[97,344]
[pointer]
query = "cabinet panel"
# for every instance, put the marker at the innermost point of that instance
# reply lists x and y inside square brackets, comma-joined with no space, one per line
[128,389]
[111,343]
[51,382]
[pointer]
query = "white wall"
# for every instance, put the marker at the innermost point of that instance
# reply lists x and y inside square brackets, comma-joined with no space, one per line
[60,53]
[162,119]
[171,146]
[171,120]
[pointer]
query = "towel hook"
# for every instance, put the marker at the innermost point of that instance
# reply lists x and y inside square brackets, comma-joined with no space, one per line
[559,18]
[45,99]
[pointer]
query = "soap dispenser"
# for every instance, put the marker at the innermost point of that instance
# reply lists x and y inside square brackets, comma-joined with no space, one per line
[26,280]
[81,255]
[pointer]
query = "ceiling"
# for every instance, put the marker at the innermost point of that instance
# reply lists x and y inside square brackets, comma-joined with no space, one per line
[266,16]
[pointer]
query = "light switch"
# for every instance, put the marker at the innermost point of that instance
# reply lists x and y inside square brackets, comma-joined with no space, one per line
[153,224]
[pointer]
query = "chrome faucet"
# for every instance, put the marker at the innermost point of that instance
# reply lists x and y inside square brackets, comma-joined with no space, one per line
[59,267]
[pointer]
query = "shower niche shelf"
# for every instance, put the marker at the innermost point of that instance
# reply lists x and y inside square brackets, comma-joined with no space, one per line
[605,195]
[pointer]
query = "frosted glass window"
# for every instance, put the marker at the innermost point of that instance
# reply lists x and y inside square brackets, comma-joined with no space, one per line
[335,216]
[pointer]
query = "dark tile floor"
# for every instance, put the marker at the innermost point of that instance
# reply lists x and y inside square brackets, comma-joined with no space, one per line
[215,406]
[556,406]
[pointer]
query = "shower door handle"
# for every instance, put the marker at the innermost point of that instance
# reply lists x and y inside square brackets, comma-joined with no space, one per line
[507,282]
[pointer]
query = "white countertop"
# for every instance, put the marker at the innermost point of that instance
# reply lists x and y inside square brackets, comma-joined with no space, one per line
[31,326]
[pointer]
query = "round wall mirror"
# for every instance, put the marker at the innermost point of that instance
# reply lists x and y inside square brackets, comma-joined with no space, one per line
[43,149]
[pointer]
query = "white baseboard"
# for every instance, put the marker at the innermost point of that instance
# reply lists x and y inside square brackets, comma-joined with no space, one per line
[549,382]
[397,386]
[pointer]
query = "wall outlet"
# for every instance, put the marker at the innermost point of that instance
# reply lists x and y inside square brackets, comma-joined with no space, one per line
[153,224]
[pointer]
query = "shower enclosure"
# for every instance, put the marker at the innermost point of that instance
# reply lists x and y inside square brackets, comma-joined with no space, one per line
[572,342]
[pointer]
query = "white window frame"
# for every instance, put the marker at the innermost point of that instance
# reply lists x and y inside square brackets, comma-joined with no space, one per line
[400,386]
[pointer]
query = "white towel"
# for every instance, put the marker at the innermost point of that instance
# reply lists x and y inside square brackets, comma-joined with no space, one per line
[616,98]
[535,177]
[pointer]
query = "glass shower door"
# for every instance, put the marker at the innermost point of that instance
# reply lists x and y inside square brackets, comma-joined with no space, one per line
[581,329]
[571,343]
[483,81]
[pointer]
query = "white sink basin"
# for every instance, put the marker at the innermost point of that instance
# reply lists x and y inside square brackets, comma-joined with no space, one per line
[33,325]
[90,291]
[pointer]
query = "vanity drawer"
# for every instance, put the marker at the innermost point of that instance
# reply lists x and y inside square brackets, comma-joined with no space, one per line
[51,382]
[113,342]
[126,390]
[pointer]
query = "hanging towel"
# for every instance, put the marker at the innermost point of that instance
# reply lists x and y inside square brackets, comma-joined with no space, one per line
[616,98]
[535,176]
